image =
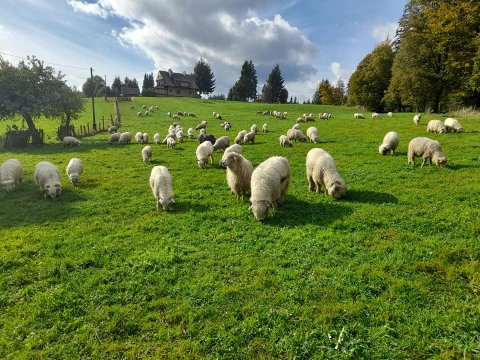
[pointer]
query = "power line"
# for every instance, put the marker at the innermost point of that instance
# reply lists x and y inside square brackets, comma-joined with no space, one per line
[50,63]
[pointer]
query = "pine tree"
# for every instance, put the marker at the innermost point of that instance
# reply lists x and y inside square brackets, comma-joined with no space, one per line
[116,86]
[204,77]
[274,91]
[316,96]
[246,86]
[325,91]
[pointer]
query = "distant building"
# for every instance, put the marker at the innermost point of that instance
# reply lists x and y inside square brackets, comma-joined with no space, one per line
[129,91]
[176,84]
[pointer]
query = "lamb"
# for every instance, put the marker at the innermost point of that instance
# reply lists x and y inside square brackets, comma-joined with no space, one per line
[151,109]
[70,141]
[112,129]
[428,149]
[139,137]
[74,170]
[147,154]
[202,125]
[436,126]
[125,138]
[235,148]
[176,117]
[254,128]
[145,138]
[171,143]
[47,178]
[294,134]
[114,138]
[239,173]
[249,138]
[452,125]
[204,153]
[191,133]
[312,134]
[285,141]
[322,172]
[240,136]
[162,187]
[375,115]
[358,116]
[269,184]
[265,128]
[221,143]
[156,138]
[179,135]
[390,143]
[11,173]
[416,119]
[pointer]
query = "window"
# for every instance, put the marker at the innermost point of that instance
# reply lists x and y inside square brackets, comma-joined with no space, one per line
[178,92]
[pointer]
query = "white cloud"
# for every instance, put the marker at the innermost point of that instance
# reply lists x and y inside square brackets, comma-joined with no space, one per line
[88,8]
[339,72]
[4,33]
[382,32]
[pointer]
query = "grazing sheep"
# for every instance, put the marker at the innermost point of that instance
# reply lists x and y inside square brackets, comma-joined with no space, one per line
[249,138]
[390,143]
[162,187]
[285,141]
[151,109]
[358,116]
[47,178]
[147,154]
[214,113]
[169,114]
[239,173]
[139,137]
[202,131]
[296,126]
[235,148]
[74,170]
[202,125]
[70,141]
[156,138]
[324,116]
[227,126]
[204,153]
[169,135]
[436,126]
[218,117]
[221,143]
[113,138]
[175,117]
[112,129]
[179,135]
[428,149]
[254,128]
[312,134]
[300,119]
[191,114]
[145,138]
[191,133]
[375,115]
[294,134]
[309,118]
[146,113]
[240,136]
[269,184]
[389,114]
[416,119]
[125,138]
[11,173]
[171,143]
[144,106]
[322,173]
[210,138]
[265,128]
[453,125]
[139,113]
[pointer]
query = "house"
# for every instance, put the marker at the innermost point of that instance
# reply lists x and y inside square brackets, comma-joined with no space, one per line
[176,84]
[129,91]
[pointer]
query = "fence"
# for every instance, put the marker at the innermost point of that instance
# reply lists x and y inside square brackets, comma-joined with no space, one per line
[21,138]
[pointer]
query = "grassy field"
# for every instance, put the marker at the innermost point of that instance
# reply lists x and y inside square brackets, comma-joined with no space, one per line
[390,272]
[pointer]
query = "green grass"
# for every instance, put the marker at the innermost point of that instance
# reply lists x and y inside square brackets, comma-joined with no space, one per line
[390,272]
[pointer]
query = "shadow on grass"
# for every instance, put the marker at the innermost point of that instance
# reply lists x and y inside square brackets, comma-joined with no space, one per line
[295,212]
[185,206]
[462,166]
[370,197]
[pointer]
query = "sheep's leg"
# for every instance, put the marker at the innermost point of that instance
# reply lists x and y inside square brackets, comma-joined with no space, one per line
[311,184]
[424,161]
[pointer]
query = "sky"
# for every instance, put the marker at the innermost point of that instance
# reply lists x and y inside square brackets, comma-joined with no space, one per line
[311,40]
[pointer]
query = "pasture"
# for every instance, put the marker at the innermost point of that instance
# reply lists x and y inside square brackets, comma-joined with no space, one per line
[390,271]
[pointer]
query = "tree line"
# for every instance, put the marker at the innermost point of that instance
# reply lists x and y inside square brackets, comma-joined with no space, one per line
[433,64]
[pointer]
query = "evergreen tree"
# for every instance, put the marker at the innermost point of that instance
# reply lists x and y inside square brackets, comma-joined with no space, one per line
[316,96]
[204,77]
[325,91]
[291,100]
[90,86]
[246,86]
[116,86]
[148,86]
[339,93]
[274,91]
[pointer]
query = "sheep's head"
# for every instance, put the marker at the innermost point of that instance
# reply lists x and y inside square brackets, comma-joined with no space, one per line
[230,161]
[74,178]
[439,160]
[202,162]
[8,185]
[337,190]
[442,130]
[384,149]
[166,204]
[53,190]
[260,209]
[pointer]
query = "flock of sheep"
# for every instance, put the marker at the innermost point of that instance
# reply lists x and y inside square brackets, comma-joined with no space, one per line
[267,184]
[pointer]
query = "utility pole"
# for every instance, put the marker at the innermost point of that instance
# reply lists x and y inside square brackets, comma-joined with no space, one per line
[105,87]
[94,125]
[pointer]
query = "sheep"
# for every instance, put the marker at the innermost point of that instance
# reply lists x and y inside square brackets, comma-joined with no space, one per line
[162,187]
[389,114]
[114,138]
[202,131]
[171,143]
[169,114]
[416,119]
[145,138]
[146,113]
[428,149]
[309,118]
[74,170]
[240,136]
[214,113]
[180,113]
[324,116]
[147,154]
[179,135]
[221,143]
[144,106]
[191,133]
[202,125]
[312,134]
[169,135]
[210,138]
[156,138]
[294,134]
[176,117]
[218,117]
[125,138]
[285,141]
[204,153]
[232,148]
[321,170]
[191,114]
[436,126]
[139,137]
[296,126]
[249,138]
[390,143]
[70,141]
[269,184]
[358,116]
[375,115]
[151,109]
[239,173]
[254,128]
[452,125]
[139,114]
[265,128]
[47,178]
[300,119]
[227,126]
[112,129]
[11,173]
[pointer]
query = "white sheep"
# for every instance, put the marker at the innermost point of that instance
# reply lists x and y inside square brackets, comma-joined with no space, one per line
[179,135]
[249,138]
[269,184]
[156,138]
[218,117]
[227,126]
[428,149]
[204,153]
[324,116]
[296,126]
[202,125]
[202,132]
[358,116]
[416,119]
[254,128]
[309,118]
[162,187]
[312,134]
[47,178]
[139,137]
[113,138]
[265,128]
[171,143]
[285,141]
[11,174]
[389,144]
[145,138]
[240,136]
[191,133]
[301,119]
[453,125]
[239,173]
[322,173]
[147,154]
[375,115]
[74,170]
[70,141]
[389,114]
[125,138]
[236,148]
[112,129]
[221,143]
[436,126]
[295,134]
[169,114]
[151,109]
[146,113]
[175,117]
[139,113]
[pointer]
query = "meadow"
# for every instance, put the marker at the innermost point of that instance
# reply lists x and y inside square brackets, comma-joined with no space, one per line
[391,271]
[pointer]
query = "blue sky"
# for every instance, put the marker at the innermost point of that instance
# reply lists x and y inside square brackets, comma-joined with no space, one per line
[310,40]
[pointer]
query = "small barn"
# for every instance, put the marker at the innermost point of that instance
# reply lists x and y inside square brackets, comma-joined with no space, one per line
[176,84]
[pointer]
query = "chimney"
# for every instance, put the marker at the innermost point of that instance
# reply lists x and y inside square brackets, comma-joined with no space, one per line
[170,72]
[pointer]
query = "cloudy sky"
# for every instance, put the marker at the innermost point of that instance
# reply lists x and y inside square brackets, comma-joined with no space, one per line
[311,40]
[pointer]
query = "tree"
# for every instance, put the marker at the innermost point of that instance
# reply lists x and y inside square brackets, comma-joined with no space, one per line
[325,91]
[204,77]
[339,93]
[68,102]
[233,93]
[274,91]
[245,89]
[148,86]
[295,100]
[316,95]
[92,87]
[29,90]
[116,86]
